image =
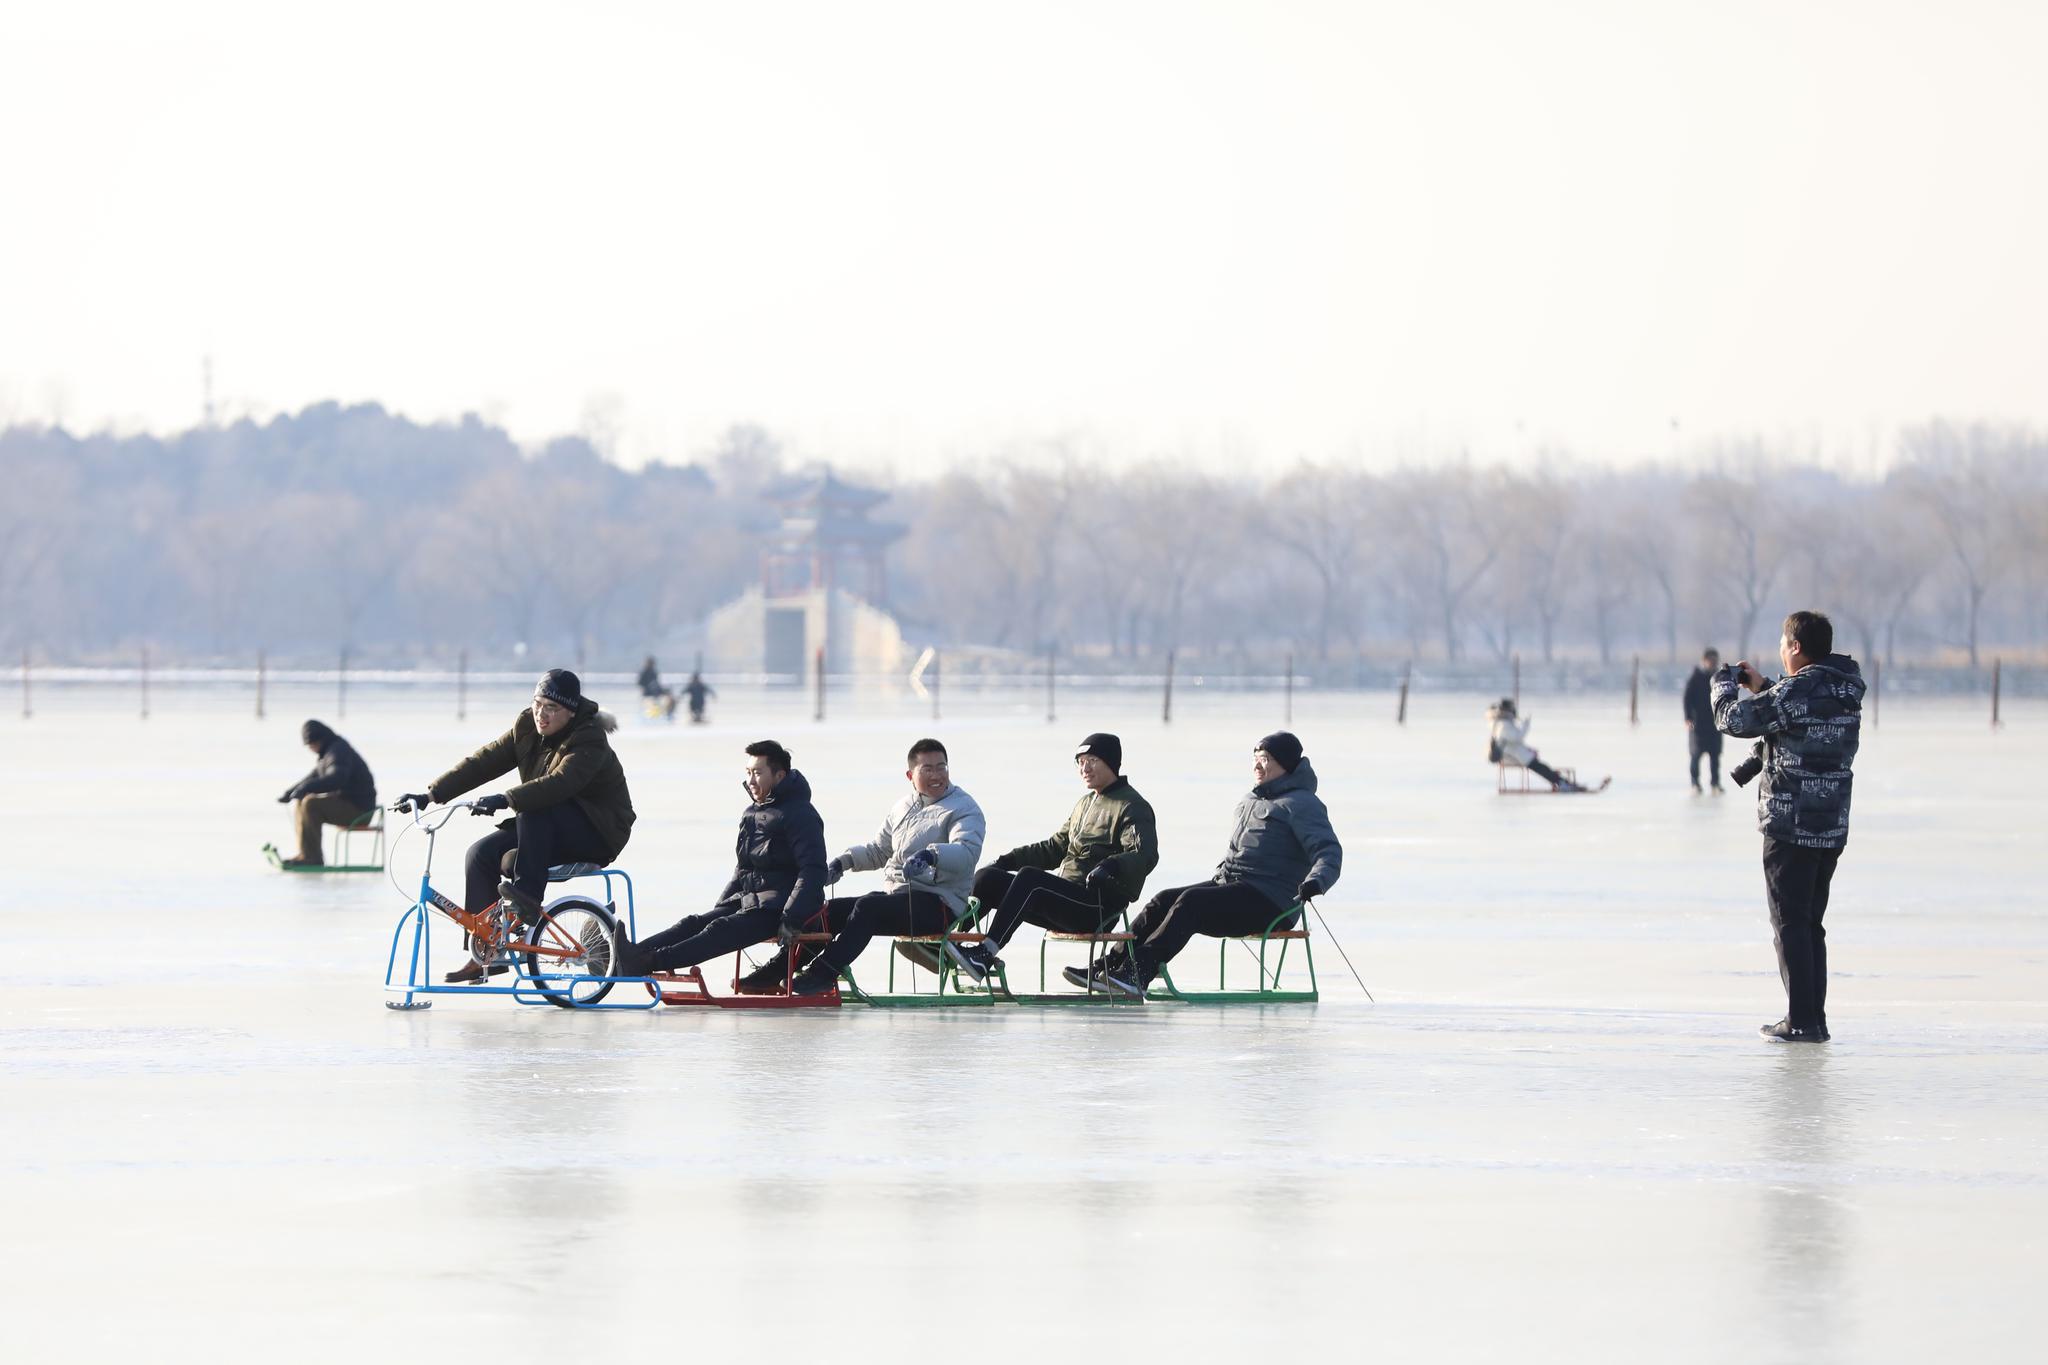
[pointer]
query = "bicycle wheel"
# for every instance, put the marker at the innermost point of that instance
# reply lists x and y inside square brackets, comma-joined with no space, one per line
[572,940]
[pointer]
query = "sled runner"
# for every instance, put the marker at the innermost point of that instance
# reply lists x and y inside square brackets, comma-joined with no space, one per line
[367,828]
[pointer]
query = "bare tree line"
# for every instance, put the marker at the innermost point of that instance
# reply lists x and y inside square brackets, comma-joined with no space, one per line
[1939,559]
[351,527]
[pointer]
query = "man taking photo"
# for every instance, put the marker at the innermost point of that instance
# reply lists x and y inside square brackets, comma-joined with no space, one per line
[1809,722]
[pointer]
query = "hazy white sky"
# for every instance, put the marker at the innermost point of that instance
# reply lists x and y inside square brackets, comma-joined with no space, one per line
[900,232]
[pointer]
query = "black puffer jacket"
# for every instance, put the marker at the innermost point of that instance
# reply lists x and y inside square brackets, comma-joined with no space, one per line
[341,770]
[1810,724]
[781,854]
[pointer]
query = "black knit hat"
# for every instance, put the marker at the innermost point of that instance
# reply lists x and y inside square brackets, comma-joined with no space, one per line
[313,732]
[1108,748]
[1282,747]
[560,686]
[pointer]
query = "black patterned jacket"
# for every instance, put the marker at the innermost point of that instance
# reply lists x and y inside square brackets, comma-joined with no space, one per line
[1810,724]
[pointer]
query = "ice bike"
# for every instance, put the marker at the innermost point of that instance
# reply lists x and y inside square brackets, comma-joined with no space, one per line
[561,957]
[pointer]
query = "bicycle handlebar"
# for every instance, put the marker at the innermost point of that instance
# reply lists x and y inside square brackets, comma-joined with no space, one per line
[431,822]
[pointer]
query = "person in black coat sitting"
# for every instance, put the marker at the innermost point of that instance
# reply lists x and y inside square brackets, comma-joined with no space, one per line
[339,791]
[777,888]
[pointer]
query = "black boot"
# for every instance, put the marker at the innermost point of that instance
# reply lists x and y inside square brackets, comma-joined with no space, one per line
[768,978]
[630,959]
[814,980]
[529,909]
[1091,976]
[1783,1032]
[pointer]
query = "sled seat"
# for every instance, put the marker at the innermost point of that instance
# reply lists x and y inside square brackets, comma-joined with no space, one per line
[965,928]
[1269,990]
[1508,786]
[365,828]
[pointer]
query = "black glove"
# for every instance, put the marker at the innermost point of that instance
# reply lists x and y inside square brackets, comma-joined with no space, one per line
[1005,863]
[1101,878]
[285,799]
[834,870]
[412,801]
[921,866]
[490,805]
[1309,889]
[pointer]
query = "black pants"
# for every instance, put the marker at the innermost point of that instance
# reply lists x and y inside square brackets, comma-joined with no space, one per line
[1220,909]
[1711,750]
[524,848]
[1035,896]
[854,921]
[1547,773]
[724,928]
[1796,881]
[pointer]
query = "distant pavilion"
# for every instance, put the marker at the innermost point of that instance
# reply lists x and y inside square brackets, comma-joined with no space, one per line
[824,587]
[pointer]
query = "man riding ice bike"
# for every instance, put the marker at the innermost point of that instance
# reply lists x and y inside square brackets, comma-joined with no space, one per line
[570,806]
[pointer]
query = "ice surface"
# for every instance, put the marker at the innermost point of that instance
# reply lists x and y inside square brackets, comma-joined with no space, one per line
[1555,1137]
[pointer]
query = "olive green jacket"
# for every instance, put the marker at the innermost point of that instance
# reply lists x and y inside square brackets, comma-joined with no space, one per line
[575,764]
[1112,827]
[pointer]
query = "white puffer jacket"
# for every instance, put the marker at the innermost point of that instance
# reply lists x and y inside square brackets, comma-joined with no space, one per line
[951,826]
[1509,734]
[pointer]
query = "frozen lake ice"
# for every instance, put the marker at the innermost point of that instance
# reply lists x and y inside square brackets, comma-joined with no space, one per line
[1555,1136]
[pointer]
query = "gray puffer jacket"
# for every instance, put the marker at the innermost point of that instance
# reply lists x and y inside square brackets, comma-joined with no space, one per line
[1810,724]
[1283,835]
[951,827]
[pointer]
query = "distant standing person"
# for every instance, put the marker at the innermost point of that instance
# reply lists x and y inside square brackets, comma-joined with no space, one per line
[1510,744]
[339,791]
[652,690]
[1702,736]
[1809,723]
[696,689]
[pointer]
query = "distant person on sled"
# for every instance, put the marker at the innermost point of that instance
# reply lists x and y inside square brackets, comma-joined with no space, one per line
[339,791]
[1509,744]
[657,697]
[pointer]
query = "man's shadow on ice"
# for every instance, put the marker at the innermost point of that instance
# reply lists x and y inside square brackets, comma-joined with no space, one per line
[1805,1226]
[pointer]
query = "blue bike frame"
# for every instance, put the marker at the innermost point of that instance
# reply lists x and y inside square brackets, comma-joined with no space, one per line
[527,988]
